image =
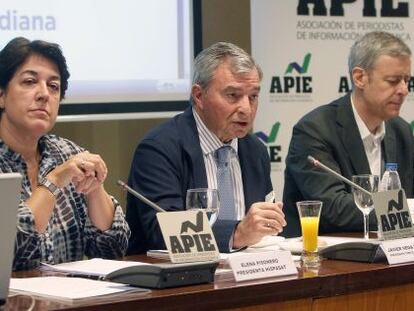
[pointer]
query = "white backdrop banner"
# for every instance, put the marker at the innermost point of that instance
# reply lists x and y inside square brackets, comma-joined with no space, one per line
[302,47]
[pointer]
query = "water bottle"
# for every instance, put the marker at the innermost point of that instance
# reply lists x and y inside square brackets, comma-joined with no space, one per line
[390,180]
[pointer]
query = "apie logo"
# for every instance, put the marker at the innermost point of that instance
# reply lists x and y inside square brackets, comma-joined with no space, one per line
[269,140]
[388,8]
[187,242]
[287,83]
[299,69]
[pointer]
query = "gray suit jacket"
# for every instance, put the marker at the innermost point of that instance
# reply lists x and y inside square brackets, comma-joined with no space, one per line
[330,134]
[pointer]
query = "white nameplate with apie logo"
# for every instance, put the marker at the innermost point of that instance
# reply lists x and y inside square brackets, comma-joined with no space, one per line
[393,215]
[262,265]
[188,236]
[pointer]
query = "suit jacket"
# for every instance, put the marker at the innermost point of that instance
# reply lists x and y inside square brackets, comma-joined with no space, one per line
[330,133]
[167,162]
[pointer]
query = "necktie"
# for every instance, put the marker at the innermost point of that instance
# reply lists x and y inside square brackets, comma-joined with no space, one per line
[225,184]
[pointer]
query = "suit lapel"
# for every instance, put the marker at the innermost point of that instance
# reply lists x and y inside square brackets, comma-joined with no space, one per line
[248,166]
[351,138]
[192,149]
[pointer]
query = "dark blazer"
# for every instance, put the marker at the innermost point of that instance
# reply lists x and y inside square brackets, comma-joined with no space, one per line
[330,133]
[167,162]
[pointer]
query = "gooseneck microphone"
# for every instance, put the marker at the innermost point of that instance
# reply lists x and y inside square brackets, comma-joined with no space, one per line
[140,196]
[331,171]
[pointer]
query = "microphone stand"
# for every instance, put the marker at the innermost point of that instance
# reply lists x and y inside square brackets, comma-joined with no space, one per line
[331,171]
[140,196]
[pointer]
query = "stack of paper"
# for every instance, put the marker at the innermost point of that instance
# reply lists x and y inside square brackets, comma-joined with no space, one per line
[93,267]
[68,289]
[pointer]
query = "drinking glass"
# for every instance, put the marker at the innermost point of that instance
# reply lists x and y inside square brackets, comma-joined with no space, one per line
[309,213]
[204,199]
[363,200]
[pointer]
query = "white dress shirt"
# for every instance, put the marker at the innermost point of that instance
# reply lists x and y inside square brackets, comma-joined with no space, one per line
[372,142]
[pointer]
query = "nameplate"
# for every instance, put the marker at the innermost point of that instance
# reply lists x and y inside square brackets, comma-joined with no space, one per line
[188,236]
[393,215]
[399,251]
[262,265]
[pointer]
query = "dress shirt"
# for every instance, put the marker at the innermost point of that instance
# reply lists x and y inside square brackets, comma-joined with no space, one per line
[209,143]
[372,142]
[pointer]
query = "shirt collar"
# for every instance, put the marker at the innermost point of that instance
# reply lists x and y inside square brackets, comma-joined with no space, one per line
[363,129]
[209,141]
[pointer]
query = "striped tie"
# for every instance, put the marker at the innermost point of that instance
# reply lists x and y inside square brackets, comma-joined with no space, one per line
[225,184]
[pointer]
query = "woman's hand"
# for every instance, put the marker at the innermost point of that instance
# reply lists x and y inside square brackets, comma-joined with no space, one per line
[86,170]
[95,173]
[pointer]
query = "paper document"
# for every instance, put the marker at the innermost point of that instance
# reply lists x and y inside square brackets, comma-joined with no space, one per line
[68,289]
[93,267]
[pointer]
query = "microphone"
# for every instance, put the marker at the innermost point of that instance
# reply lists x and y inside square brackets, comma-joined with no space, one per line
[140,196]
[331,171]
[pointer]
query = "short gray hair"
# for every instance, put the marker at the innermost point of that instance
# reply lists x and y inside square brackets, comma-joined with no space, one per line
[210,58]
[372,45]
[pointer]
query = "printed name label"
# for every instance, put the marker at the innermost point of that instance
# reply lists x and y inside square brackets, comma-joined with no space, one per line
[262,265]
[399,251]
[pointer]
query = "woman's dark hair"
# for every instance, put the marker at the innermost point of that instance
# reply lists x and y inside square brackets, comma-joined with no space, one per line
[18,50]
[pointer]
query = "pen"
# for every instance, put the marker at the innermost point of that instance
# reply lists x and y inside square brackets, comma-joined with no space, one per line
[271,197]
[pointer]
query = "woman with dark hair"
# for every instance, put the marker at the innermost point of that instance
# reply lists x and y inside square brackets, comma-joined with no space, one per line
[64,211]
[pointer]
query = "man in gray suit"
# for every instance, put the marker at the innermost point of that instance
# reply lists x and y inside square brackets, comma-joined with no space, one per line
[355,134]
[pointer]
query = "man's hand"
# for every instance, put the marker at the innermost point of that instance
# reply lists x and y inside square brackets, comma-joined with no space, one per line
[262,219]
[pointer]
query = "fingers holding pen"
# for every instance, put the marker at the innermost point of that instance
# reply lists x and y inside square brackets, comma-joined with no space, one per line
[263,218]
[272,218]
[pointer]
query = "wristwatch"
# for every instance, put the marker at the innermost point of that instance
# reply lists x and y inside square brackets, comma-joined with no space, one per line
[55,190]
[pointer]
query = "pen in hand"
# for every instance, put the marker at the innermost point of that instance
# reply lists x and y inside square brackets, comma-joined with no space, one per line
[271,197]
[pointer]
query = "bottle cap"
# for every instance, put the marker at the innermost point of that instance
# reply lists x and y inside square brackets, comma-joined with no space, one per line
[391,166]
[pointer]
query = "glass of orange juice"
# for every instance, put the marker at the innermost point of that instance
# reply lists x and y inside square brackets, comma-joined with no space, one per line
[309,213]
